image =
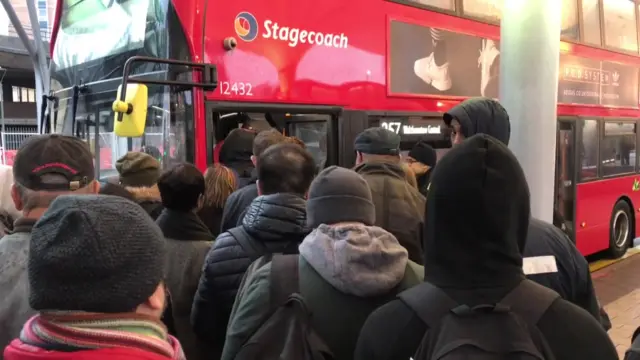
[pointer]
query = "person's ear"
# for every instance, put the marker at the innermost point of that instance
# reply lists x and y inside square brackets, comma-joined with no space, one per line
[157,300]
[200,202]
[254,160]
[95,187]
[17,199]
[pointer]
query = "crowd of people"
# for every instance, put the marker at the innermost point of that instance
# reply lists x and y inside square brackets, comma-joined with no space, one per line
[263,256]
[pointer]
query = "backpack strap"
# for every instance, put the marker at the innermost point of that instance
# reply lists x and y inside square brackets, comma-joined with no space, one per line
[530,300]
[253,248]
[283,279]
[429,302]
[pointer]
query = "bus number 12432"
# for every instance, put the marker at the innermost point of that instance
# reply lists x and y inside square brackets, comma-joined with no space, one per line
[235,88]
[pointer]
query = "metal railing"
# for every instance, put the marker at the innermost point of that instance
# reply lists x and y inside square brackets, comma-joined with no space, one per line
[9,144]
[110,147]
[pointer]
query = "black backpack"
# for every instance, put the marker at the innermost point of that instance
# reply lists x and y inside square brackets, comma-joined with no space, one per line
[633,353]
[287,333]
[506,330]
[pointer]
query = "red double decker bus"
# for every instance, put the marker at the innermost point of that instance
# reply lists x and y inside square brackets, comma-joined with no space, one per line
[324,71]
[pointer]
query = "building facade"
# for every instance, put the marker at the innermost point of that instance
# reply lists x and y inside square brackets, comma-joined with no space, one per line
[17,82]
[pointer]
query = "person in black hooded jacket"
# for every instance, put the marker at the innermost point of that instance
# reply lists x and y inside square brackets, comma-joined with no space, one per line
[235,154]
[275,223]
[572,280]
[476,224]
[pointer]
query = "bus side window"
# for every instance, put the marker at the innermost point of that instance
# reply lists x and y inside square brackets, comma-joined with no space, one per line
[589,150]
[618,148]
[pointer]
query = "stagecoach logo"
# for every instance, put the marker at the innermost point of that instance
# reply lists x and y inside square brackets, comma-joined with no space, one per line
[246,26]
[636,185]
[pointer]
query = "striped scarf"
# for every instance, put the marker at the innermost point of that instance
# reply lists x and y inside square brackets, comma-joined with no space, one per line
[74,331]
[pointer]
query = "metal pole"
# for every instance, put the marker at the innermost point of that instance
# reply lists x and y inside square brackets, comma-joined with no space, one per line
[15,21]
[529,59]
[38,78]
[40,47]
[38,54]
[42,76]
[4,147]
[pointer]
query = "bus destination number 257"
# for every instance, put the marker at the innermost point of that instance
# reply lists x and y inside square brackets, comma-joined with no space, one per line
[392,126]
[235,88]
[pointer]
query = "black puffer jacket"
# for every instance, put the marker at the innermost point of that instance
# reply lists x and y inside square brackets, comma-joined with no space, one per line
[277,221]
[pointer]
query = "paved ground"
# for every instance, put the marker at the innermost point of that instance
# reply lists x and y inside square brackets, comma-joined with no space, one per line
[618,289]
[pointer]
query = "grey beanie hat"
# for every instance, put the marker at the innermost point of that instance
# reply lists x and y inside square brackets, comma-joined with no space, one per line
[339,195]
[94,253]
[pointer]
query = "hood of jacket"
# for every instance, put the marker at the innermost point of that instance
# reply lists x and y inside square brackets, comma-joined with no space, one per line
[141,194]
[380,168]
[356,259]
[236,152]
[148,198]
[481,116]
[276,216]
[477,217]
[186,226]
[237,147]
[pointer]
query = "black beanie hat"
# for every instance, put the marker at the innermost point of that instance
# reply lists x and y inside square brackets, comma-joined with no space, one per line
[94,253]
[424,153]
[339,195]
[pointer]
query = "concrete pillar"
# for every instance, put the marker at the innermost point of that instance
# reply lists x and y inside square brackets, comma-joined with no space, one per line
[529,60]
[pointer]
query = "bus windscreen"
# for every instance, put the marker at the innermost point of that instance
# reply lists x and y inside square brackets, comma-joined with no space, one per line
[94,29]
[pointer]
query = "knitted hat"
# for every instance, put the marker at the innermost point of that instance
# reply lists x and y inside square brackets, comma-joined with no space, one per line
[339,195]
[424,153]
[377,141]
[94,253]
[138,169]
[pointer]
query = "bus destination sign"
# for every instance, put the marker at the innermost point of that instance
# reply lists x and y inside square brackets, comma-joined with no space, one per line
[405,129]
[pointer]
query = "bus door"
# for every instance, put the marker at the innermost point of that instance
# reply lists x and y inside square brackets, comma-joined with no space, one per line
[314,126]
[565,179]
[315,132]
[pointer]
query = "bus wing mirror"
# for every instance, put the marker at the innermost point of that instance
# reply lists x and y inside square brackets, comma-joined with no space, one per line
[131,114]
